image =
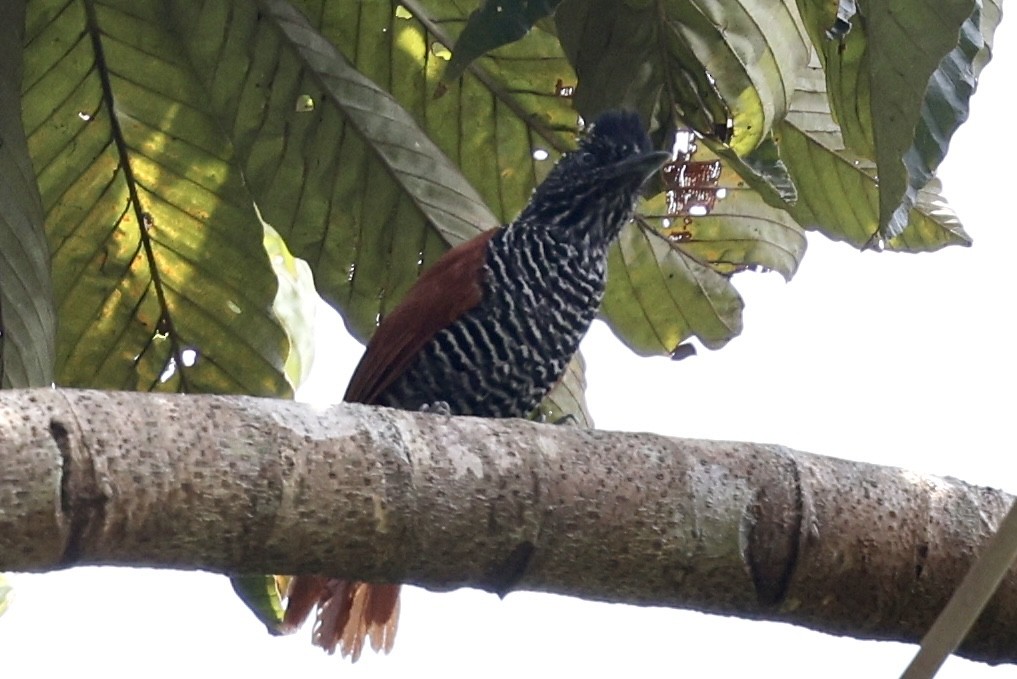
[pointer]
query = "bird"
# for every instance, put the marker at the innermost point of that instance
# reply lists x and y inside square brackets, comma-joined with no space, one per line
[488,330]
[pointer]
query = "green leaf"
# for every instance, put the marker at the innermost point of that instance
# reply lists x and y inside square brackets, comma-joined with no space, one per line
[669,274]
[495,23]
[503,122]
[624,56]
[740,232]
[711,60]
[932,223]
[944,108]
[922,58]
[991,14]
[907,46]
[160,276]
[837,192]
[355,187]
[658,295]
[568,398]
[263,595]
[762,170]
[845,61]
[6,594]
[27,315]
[294,306]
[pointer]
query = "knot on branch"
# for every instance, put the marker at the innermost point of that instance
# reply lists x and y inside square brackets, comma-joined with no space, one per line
[82,499]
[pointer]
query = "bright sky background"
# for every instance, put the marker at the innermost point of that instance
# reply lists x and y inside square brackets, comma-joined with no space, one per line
[894,359]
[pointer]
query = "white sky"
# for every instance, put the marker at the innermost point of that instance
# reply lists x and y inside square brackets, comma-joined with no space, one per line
[894,359]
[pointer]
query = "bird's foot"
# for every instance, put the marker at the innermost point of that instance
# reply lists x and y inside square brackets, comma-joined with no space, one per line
[437,408]
[544,417]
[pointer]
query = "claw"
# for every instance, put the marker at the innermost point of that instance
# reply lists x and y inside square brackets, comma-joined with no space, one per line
[438,408]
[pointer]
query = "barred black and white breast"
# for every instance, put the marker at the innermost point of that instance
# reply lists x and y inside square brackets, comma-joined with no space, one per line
[542,283]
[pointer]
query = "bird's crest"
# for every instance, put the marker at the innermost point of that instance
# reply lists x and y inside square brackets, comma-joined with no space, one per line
[615,135]
[590,193]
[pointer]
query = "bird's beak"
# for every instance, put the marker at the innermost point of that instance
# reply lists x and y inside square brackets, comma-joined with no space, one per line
[642,166]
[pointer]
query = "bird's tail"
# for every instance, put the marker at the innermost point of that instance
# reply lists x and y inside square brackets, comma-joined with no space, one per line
[349,613]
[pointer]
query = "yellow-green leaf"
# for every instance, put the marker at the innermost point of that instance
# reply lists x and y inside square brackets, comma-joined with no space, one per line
[658,295]
[159,273]
[27,315]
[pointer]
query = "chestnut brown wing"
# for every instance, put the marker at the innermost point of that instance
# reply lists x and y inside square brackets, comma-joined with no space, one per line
[447,290]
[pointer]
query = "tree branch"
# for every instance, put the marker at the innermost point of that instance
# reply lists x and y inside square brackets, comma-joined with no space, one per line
[238,484]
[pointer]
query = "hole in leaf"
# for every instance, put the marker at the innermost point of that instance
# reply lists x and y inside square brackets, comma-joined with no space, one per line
[169,371]
[440,51]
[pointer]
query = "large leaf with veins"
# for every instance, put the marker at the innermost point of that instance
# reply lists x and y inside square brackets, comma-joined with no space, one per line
[710,61]
[27,316]
[340,169]
[899,82]
[159,274]
[838,191]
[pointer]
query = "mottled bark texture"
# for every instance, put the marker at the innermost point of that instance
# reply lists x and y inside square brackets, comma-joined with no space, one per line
[237,484]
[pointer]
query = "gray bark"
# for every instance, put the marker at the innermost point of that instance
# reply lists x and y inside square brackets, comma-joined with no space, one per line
[238,484]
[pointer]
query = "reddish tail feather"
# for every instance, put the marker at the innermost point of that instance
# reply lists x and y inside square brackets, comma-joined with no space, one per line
[349,613]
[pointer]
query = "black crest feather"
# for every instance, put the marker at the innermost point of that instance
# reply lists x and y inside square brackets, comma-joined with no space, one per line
[617,133]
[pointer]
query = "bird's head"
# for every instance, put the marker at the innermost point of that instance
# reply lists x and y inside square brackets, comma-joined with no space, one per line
[591,192]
